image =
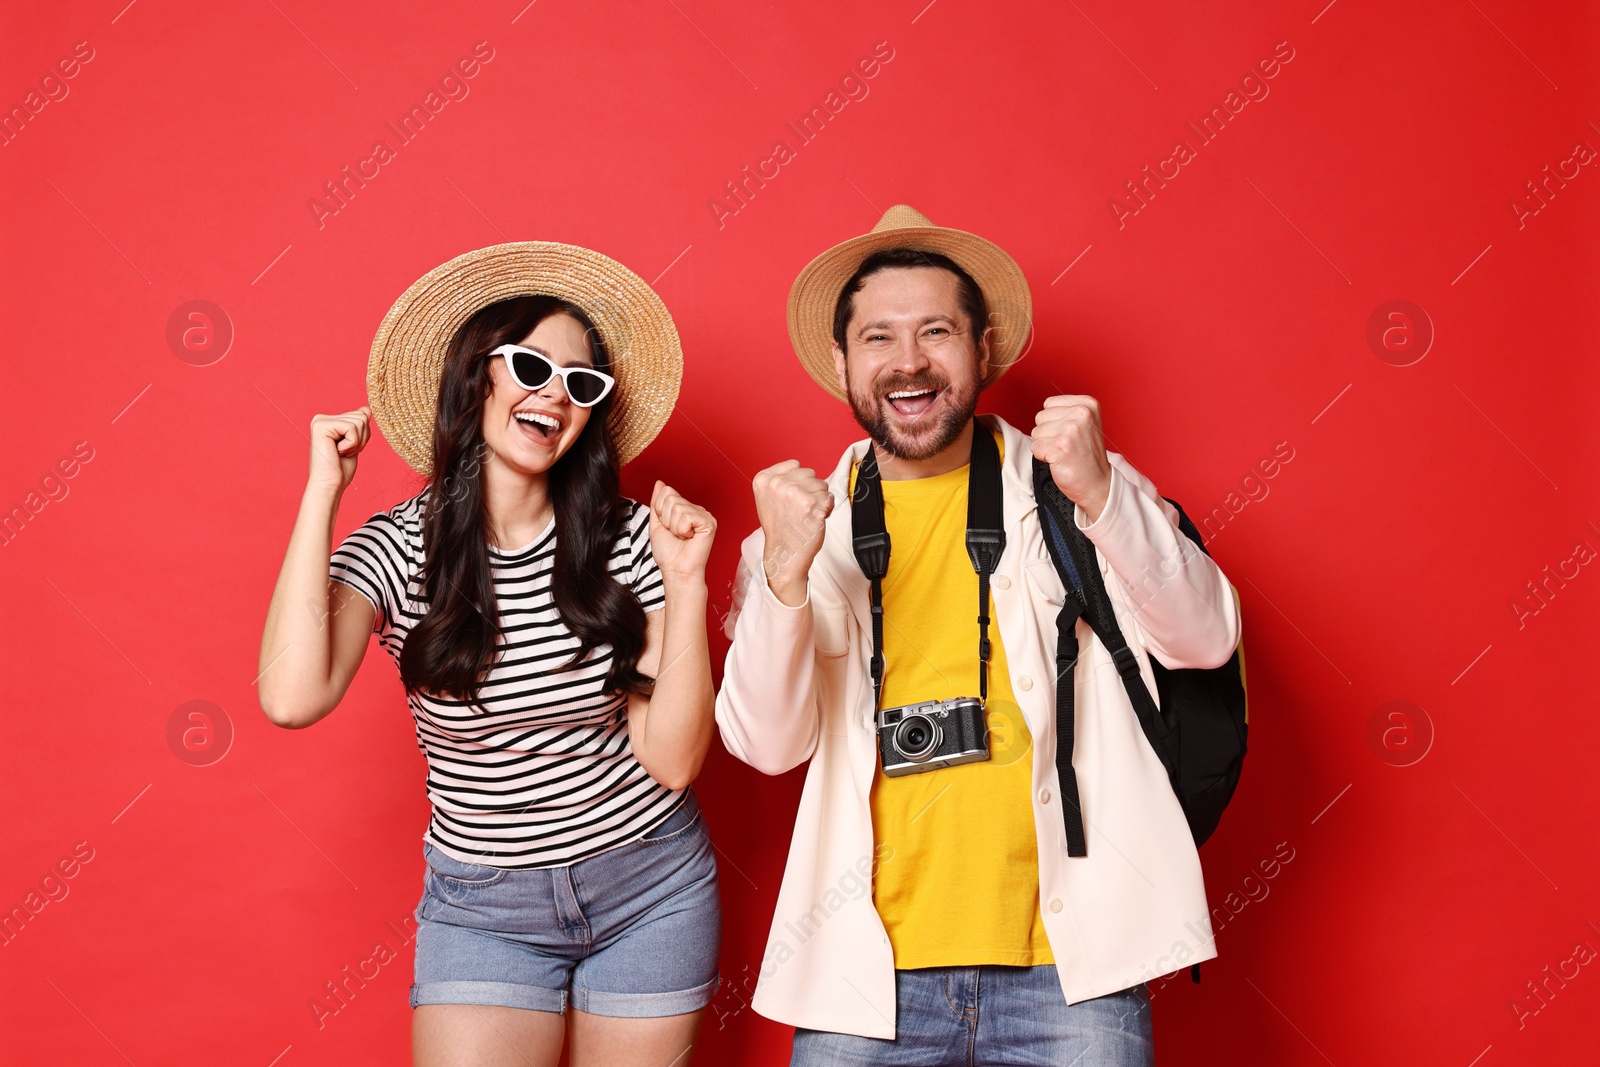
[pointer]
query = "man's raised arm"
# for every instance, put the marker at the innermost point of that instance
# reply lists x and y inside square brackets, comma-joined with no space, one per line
[1183,603]
[767,708]
[1185,606]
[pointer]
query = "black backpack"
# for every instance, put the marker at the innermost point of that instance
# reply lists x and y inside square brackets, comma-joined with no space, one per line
[1199,730]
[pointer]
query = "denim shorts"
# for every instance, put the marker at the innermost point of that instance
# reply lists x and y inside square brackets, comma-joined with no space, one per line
[632,932]
[988,1016]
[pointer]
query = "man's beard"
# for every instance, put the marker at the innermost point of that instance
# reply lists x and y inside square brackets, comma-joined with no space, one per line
[929,440]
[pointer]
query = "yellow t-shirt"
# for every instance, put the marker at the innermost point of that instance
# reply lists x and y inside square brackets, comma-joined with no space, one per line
[961,887]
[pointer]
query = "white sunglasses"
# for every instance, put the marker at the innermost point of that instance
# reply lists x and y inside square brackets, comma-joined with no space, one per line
[532,370]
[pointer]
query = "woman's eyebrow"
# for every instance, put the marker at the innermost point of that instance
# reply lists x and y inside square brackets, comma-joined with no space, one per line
[583,361]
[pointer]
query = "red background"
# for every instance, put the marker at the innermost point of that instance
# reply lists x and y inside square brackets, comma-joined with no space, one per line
[1229,314]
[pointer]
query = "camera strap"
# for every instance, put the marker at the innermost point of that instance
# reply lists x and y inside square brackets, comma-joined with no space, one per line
[986,542]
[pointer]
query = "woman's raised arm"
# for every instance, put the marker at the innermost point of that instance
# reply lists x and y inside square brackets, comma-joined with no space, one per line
[671,729]
[317,629]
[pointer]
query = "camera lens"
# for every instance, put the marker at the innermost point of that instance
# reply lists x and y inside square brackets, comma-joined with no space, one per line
[916,738]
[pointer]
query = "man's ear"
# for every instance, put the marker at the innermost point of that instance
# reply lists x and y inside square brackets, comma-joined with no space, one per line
[983,353]
[838,367]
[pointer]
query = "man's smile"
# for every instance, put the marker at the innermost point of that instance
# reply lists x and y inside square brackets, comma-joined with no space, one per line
[912,404]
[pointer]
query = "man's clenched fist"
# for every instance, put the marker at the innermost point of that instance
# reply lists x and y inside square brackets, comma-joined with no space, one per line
[1066,435]
[793,505]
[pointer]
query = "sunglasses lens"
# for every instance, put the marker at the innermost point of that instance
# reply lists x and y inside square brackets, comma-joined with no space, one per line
[531,370]
[585,387]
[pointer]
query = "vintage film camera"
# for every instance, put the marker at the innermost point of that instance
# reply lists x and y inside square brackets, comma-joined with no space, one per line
[932,734]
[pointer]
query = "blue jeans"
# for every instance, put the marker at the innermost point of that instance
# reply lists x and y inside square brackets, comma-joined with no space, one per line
[983,1016]
[632,932]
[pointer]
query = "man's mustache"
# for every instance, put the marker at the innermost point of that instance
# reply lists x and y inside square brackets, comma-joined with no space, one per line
[884,386]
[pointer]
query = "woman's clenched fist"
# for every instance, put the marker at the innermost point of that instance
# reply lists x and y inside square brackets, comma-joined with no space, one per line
[336,440]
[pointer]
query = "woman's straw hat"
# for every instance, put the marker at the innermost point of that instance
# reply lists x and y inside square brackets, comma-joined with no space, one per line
[816,292]
[408,352]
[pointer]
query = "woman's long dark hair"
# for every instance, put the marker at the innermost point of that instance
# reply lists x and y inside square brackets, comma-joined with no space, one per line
[448,652]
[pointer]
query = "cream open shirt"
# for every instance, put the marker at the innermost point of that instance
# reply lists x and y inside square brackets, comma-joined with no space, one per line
[795,687]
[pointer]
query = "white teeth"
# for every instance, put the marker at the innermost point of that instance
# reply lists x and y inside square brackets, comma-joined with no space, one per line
[901,394]
[539,417]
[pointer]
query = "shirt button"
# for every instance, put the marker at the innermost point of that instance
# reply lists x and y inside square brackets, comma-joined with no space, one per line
[1002,582]
[1024,683]
[1044,796]
[1055,904]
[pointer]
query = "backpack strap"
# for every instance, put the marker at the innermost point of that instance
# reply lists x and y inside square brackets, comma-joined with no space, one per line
[1097,602]
[1066,674]
[1074,559]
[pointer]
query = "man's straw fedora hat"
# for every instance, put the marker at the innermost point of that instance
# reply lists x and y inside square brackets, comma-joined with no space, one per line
[816,291]
[408,352]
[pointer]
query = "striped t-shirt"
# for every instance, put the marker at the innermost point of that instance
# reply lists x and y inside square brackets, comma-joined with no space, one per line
[546,776]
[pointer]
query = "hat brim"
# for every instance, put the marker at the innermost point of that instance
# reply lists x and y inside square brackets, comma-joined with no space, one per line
[815,294]
[408,352]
